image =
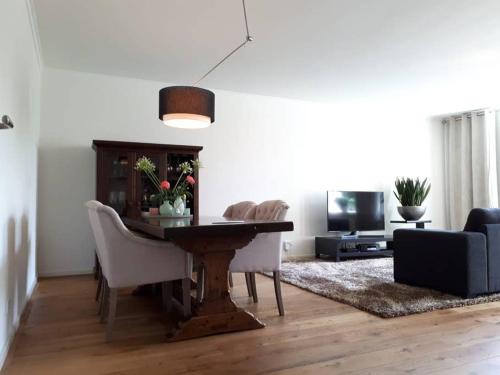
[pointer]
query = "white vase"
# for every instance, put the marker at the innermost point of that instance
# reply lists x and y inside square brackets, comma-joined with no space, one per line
[179,206]
[166,209]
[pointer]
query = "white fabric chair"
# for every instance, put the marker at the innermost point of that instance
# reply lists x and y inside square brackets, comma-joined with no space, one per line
[129,260]
[263,254]
[241,210]
[92,206]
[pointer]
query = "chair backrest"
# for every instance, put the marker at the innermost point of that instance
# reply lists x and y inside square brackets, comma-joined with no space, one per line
[112,238]
[92,206]
[478,217]
[241,210]
[271,210]
[264,252]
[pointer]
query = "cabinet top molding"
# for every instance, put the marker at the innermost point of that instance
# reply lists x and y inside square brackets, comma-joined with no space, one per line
[139,145]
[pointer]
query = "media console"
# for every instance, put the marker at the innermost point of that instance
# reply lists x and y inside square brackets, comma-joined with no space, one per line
[342,248]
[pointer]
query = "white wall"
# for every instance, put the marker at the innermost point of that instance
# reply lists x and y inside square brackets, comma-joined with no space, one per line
[259,148]
[19,98]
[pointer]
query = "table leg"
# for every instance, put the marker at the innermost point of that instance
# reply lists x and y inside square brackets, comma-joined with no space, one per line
[420,225]
[217,313]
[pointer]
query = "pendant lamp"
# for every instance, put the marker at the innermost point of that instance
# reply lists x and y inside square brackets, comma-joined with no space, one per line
[187,107]
[191,107]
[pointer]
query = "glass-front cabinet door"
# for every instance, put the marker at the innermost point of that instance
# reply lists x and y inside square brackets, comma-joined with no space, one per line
[128,191]
[174,171]
[118,180]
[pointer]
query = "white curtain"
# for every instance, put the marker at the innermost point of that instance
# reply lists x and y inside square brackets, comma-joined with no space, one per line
[470,165]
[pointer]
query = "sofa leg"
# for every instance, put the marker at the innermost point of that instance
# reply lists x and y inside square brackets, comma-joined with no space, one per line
[254,287]
[277,291]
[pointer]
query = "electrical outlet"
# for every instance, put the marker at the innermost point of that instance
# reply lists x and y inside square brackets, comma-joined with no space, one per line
[287,245]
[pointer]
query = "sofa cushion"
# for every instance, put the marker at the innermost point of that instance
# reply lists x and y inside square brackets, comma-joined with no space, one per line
[478,217]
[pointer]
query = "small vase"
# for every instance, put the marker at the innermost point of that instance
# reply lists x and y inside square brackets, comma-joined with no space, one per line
[179,206]
[166,209]
[411,213]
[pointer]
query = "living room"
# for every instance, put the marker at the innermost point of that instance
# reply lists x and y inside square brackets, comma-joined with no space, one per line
[341,96]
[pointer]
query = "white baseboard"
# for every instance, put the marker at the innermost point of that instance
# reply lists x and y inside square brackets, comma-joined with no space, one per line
[65,273]
[13,330]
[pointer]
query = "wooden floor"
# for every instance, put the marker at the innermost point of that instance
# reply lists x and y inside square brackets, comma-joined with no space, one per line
[60,334]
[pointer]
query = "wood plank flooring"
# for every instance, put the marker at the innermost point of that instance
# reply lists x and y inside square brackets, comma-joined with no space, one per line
[60,334]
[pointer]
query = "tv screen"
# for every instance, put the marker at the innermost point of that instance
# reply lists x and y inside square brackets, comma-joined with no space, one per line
[355,210]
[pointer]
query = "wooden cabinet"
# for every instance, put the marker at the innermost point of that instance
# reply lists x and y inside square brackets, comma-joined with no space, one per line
[120,186]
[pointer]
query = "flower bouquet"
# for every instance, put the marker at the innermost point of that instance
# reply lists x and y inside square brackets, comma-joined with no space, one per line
[172,200]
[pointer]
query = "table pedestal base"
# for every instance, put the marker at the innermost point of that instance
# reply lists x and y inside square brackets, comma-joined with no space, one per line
[217,312]
[199,326]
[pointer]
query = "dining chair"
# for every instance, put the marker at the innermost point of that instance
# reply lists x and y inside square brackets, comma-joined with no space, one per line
[129,260]
[263,254]
[240,211]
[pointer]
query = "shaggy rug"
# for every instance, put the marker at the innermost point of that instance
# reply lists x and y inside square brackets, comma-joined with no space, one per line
[369,285]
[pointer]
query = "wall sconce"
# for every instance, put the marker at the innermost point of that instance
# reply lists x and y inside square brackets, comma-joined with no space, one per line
[6,122]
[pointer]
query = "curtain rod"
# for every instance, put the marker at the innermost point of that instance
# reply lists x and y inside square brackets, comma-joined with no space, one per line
[468,114]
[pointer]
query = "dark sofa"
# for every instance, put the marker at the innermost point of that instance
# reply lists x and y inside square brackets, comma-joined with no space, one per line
[464,263]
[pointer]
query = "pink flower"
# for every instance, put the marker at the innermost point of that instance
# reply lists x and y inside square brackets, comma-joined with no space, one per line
[190,180]
[165,185]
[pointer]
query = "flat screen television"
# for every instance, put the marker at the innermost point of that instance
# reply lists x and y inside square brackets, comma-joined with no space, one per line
[352,211]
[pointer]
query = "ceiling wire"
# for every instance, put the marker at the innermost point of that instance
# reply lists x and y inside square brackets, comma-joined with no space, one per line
[248,39]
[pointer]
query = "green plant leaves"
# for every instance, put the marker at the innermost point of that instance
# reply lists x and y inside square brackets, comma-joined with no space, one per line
[411,192]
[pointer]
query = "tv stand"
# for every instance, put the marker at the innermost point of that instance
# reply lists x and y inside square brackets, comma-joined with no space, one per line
[353,234]
[342,248]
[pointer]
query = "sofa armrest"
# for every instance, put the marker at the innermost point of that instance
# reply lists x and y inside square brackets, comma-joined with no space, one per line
[453,262]
[492,232]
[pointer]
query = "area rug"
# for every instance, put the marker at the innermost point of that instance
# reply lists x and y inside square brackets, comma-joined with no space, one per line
[369,285]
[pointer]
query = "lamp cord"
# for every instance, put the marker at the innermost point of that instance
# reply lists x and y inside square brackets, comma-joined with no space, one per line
[248,39]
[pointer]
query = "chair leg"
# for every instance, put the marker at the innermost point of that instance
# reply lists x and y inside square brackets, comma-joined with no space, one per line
[97,266]
[101,297]
[105,301]
[200,280]
[277,290]
[166,289]
[230,279]
[249,283]
[254,287]
[113,298]
[99,286]
[186,297]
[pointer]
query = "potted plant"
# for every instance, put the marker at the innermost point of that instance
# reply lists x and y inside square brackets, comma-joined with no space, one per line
[411,193]
[172,200]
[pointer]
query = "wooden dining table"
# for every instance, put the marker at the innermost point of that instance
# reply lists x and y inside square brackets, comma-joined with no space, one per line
[213,241]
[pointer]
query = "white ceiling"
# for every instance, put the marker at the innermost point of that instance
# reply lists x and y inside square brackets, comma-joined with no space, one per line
[316,50]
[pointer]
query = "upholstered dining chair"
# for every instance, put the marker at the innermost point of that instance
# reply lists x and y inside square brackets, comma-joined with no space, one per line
[129,260]
[240,211]
[263,254]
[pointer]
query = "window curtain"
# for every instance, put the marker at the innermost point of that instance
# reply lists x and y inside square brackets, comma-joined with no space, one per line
[470,165]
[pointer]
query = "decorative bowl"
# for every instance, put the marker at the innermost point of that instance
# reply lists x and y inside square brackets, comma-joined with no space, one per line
[411,213]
